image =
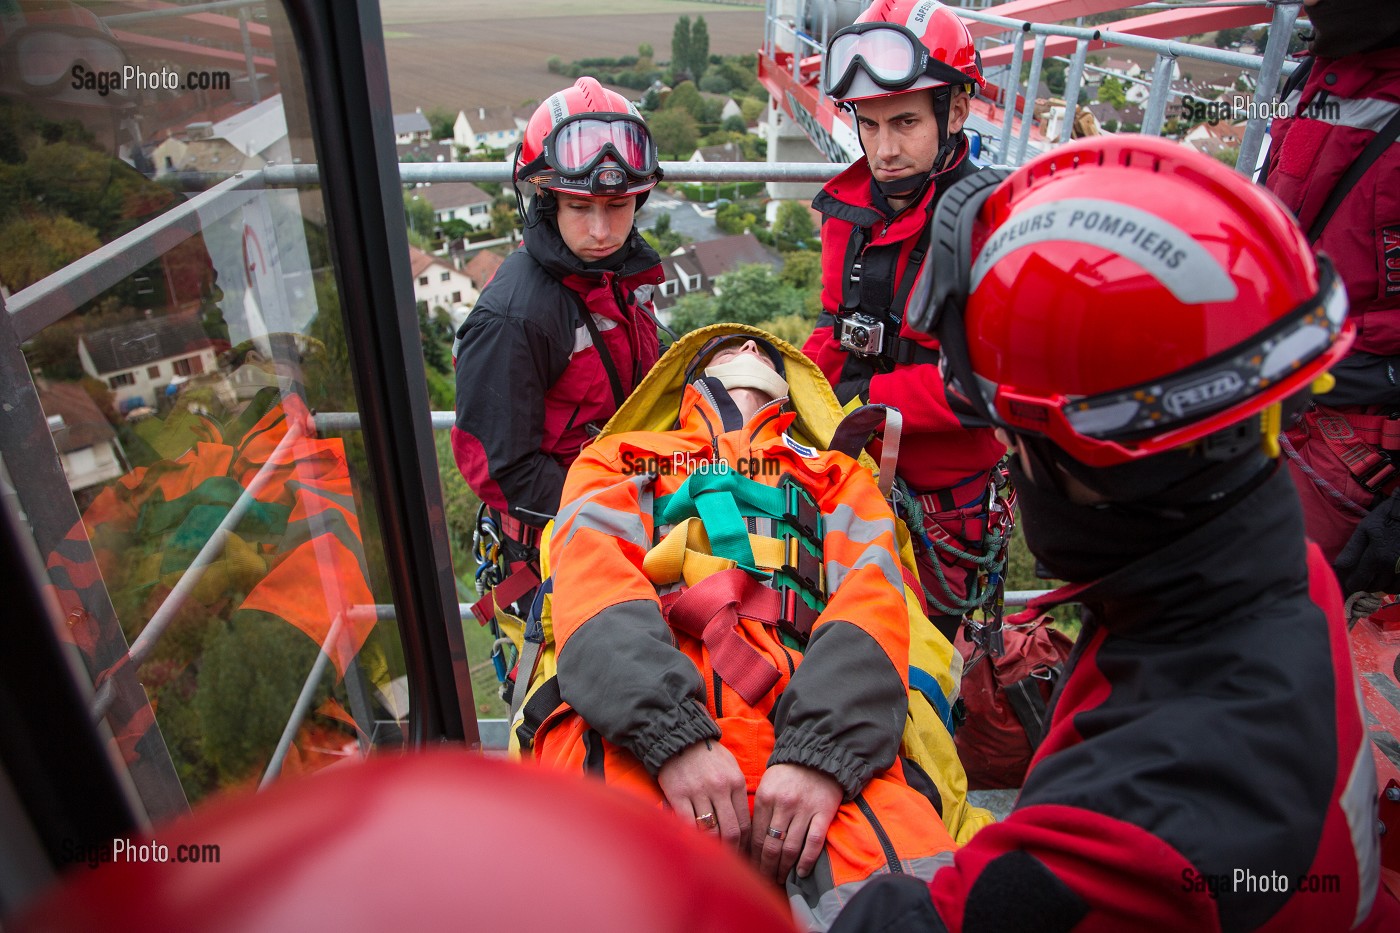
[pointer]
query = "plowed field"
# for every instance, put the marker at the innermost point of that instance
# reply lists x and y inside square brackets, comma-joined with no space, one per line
[457,54]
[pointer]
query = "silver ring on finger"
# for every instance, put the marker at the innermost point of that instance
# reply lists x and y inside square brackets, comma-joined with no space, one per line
[776,833]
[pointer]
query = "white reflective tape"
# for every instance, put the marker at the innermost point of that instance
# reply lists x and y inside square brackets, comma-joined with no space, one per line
[1365,114]
[583,339]
[1358,803]
[919,15]
[1162,249]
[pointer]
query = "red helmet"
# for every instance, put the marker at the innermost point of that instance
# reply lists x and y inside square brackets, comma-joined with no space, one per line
[1126,295]
[589,141]
[897,46]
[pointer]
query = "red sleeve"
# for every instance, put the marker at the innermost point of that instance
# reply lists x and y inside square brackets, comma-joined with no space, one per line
[1062,861]
[917,391]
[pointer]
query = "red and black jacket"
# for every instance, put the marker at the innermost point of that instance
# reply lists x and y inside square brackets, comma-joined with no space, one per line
[1334,115]
[1205,766]
[937,450]
[531,385]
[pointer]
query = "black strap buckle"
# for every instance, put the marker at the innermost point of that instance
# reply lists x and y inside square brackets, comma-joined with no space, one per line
[800,511]
[797,617]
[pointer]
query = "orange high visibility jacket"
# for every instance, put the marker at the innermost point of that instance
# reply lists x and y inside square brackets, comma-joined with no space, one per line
[838,706]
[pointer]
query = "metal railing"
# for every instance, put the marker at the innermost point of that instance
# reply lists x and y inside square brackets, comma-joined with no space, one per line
[1269,67]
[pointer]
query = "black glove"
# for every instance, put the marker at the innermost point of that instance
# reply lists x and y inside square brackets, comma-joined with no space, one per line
[1371,560]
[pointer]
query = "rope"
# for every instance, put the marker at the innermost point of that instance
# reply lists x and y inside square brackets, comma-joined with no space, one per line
[992,558]
[1319,481]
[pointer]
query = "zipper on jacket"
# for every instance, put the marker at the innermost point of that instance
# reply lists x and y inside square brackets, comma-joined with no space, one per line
[891,857]
[792,668]
[718,688]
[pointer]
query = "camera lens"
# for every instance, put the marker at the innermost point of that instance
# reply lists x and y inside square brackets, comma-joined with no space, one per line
[860,336]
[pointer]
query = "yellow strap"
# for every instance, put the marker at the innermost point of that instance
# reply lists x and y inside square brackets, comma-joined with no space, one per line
[684,555]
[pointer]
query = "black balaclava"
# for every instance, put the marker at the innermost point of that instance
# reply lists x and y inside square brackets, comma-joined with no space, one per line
[1348,27]
[1149,504]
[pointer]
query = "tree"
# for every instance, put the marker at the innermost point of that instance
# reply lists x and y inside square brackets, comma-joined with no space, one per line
[699,48]
[1228,37]
[692,312]
[680,47]
[734,219]
[1111,92]
[33,247]
[752,294]
[793,228]
[503,218]
[644,51]
[685,96]
[675,132]
[662,238]
[419,214]
[441,120]
[794,328]
[1229,156]
[802,271]
[714,83]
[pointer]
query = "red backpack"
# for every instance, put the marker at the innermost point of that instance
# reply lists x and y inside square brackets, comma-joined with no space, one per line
[1006,700]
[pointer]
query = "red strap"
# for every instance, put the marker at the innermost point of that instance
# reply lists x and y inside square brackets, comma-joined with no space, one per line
[710,610]
[517,530]
[1371,468]
[1037,606]
[521,581]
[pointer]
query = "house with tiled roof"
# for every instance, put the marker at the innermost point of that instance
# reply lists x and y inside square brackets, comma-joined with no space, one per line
[482,266]
[693,268]
[1215,138]
[724,152]
[436,284]
[430,151]
[412,127]
[481,128]
[86,442]
[457,200]
[140,360]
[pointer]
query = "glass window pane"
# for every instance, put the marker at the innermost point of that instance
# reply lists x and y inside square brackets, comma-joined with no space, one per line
[194,513]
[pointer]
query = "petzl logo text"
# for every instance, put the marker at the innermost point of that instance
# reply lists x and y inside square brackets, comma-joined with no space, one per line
[1205,393]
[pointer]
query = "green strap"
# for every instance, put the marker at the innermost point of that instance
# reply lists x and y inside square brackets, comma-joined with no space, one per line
[728,533]
[767,501]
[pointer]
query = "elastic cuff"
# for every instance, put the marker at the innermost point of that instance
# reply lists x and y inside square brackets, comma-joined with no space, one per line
[802,747]
[671,732]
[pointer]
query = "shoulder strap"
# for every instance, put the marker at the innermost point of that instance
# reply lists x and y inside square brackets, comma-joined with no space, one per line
[1369,155]
[619,396]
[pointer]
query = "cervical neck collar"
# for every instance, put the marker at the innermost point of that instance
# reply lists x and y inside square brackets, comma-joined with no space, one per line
[745,371]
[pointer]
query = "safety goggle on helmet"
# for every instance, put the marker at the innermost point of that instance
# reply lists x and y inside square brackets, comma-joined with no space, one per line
[1125,297]
[882,54]
[588,141]
[48,50]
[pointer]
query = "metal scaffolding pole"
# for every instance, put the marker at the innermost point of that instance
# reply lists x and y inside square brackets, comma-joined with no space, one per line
[1013,90]
[1076,74]
[1156,113]
[1280,31]
[1032,85]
